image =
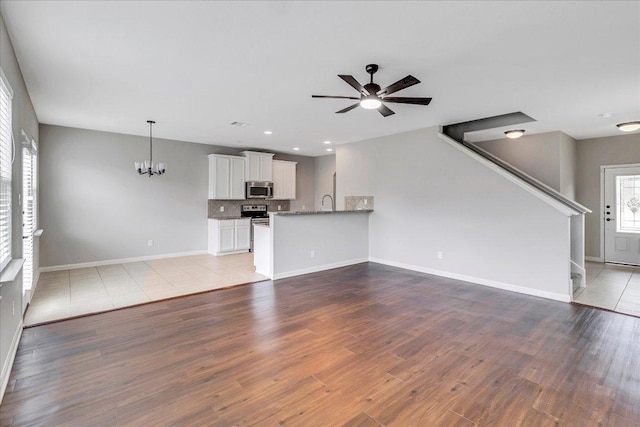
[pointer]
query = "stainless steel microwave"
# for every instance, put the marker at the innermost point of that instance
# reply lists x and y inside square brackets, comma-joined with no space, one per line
[259,190]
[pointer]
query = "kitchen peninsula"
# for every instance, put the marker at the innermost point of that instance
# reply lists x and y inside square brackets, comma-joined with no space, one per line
[297,243]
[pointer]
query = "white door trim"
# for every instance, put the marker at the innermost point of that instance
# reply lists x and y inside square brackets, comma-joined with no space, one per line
[600,213]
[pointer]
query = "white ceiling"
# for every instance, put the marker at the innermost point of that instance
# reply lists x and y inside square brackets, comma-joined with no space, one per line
[194,67]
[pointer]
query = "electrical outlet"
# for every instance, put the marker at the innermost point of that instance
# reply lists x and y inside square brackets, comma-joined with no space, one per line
[150,242]
[221,208]
[279,207]
[313,254]
[440,255]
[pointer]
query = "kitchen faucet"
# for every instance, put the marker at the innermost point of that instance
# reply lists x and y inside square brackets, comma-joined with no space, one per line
[333,208]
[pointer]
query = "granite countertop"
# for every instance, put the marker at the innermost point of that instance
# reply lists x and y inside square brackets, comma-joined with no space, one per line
[321,212]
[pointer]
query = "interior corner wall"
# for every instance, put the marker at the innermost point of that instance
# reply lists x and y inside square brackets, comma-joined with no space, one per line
[591,154]
[325,169]
[568,164]
[431,197]
[548,157]
[23,118]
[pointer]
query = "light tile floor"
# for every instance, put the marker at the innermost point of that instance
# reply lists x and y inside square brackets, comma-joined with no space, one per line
[69,293]
[610,286]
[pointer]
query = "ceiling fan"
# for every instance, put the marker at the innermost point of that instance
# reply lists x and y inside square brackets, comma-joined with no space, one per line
[372,97]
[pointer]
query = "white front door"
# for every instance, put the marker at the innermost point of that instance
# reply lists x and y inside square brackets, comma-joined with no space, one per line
[622,215]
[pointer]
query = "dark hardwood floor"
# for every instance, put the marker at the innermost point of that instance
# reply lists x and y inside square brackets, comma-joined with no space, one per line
[365,345]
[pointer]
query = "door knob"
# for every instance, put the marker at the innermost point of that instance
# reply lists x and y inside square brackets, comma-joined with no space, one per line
[608,219]
[608,206]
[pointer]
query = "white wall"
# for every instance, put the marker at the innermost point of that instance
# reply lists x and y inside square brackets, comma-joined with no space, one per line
[591,154]
[337,239]
[325,168]
[23,117]
[432,197]
[549,157]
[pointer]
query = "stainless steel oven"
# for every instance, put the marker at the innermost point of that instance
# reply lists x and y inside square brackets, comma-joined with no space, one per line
[259,190]
[258,215]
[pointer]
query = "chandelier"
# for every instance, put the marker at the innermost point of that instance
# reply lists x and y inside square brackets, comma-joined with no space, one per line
[148,167]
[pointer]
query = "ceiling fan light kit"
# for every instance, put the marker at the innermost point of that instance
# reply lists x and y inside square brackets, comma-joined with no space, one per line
[373,98]
[629,126]
[514,133]
[370,102]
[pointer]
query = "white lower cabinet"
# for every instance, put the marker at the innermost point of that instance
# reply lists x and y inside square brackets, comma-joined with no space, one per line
[229,236]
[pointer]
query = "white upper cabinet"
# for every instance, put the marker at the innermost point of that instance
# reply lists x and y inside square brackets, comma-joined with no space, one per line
[226,177]
[258,166]
[284,180]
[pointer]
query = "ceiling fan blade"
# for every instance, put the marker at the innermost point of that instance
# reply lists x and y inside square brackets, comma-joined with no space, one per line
[399,85]
[401,100]
[351,107]
[385,111]
[354,83]
[337,97]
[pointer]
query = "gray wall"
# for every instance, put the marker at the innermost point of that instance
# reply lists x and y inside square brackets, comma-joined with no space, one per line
[95,207]
[336,239]
[23,117]
[430,197]
[593,153]
[549,157]
[325,168]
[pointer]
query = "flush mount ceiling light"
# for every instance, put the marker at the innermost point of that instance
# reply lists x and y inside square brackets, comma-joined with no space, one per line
[147,167]
[267,132]
[514,133]
[296,148]
[329,149]
[327,142]
[629,126]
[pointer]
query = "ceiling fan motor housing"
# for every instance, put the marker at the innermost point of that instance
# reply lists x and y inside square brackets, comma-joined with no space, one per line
[371,68]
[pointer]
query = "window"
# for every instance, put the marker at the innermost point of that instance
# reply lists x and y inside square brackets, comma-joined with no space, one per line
[6,159]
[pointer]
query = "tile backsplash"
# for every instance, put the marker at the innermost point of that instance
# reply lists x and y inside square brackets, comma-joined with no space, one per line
[357,203]
[232,207]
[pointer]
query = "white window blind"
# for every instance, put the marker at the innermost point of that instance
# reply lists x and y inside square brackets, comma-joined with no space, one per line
[28,220]
[6,154]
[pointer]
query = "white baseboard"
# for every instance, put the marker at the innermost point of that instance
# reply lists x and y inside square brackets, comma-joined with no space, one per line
[477,280]
[317,268]
[593,259]
[117,261]
[8,363]
[242,251]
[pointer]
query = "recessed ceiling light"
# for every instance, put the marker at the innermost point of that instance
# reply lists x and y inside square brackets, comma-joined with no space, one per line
[267,132]
[296,148]
[629,126]
[514,133]
[329,149]
[327,142]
